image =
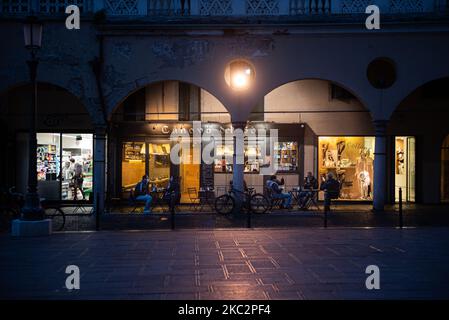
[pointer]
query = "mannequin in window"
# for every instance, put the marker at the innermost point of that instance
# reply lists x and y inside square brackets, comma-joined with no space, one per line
[341,145]
[324,149]
[400,162]
[363,174]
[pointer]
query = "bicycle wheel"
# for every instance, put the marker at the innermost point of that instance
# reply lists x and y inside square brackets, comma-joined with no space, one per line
[259,203]
[224,204]
[57,217]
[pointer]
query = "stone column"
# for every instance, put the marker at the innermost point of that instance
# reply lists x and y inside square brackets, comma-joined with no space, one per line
[238,160]
[99,169]
[380,168]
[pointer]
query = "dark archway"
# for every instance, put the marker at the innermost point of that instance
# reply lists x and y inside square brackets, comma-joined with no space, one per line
[170,100]
[58,108]
[423,115]
[59,111]
[317,117]
[140,137]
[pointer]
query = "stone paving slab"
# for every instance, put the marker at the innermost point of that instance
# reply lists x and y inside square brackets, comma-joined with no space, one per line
[309,263]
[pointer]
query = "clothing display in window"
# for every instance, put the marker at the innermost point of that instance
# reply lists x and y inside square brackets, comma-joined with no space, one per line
[351,160]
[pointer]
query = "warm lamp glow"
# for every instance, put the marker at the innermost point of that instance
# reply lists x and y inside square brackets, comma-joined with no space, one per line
[240,80]
[239,74]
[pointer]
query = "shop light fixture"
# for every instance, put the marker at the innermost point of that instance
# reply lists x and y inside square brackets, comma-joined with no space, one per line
[32,32]
[239,74]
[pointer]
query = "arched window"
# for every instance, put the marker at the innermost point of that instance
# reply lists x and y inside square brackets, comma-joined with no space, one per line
[445,170]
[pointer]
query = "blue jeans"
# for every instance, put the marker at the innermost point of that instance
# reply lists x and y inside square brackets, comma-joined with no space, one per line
[147,198]
[286,196]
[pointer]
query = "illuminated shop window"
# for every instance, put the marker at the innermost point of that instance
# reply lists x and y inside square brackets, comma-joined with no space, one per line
[77,166]
[285,154]
[351,160]
[133,164]
[65,166]
[404,167]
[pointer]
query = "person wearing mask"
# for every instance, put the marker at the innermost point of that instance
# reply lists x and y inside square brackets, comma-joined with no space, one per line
[141,193]
[276,192]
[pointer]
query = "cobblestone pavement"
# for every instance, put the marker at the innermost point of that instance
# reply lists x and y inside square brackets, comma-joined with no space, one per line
[309,263]
[342,216]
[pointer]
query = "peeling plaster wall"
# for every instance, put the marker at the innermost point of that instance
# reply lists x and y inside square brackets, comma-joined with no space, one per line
[63,61]
[134,60]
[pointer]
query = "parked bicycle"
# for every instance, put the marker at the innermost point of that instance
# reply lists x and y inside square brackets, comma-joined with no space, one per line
[251,202]
[12,203]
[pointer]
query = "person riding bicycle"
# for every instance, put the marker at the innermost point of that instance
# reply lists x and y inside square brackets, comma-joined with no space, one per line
[276,192]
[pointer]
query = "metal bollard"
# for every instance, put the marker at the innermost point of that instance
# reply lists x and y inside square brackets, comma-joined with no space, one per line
[97,212]
[325,211]
[401,221]
[325,216]
[172,211]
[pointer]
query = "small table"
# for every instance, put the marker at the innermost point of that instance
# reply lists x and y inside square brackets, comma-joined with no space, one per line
[312,200]
[295,194]
[158,198]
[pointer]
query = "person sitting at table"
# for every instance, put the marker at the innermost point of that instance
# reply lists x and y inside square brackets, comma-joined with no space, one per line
[310,183]
[173,189]
[276,192]
[331,186]
[141,193]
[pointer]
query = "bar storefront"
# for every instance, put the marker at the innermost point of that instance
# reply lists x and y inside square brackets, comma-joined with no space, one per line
[144,148]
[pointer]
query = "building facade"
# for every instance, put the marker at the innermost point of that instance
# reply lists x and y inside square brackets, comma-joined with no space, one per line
[371,106]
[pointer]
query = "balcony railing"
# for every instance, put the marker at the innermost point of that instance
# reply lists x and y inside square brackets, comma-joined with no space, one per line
[42,6]
[195,8]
